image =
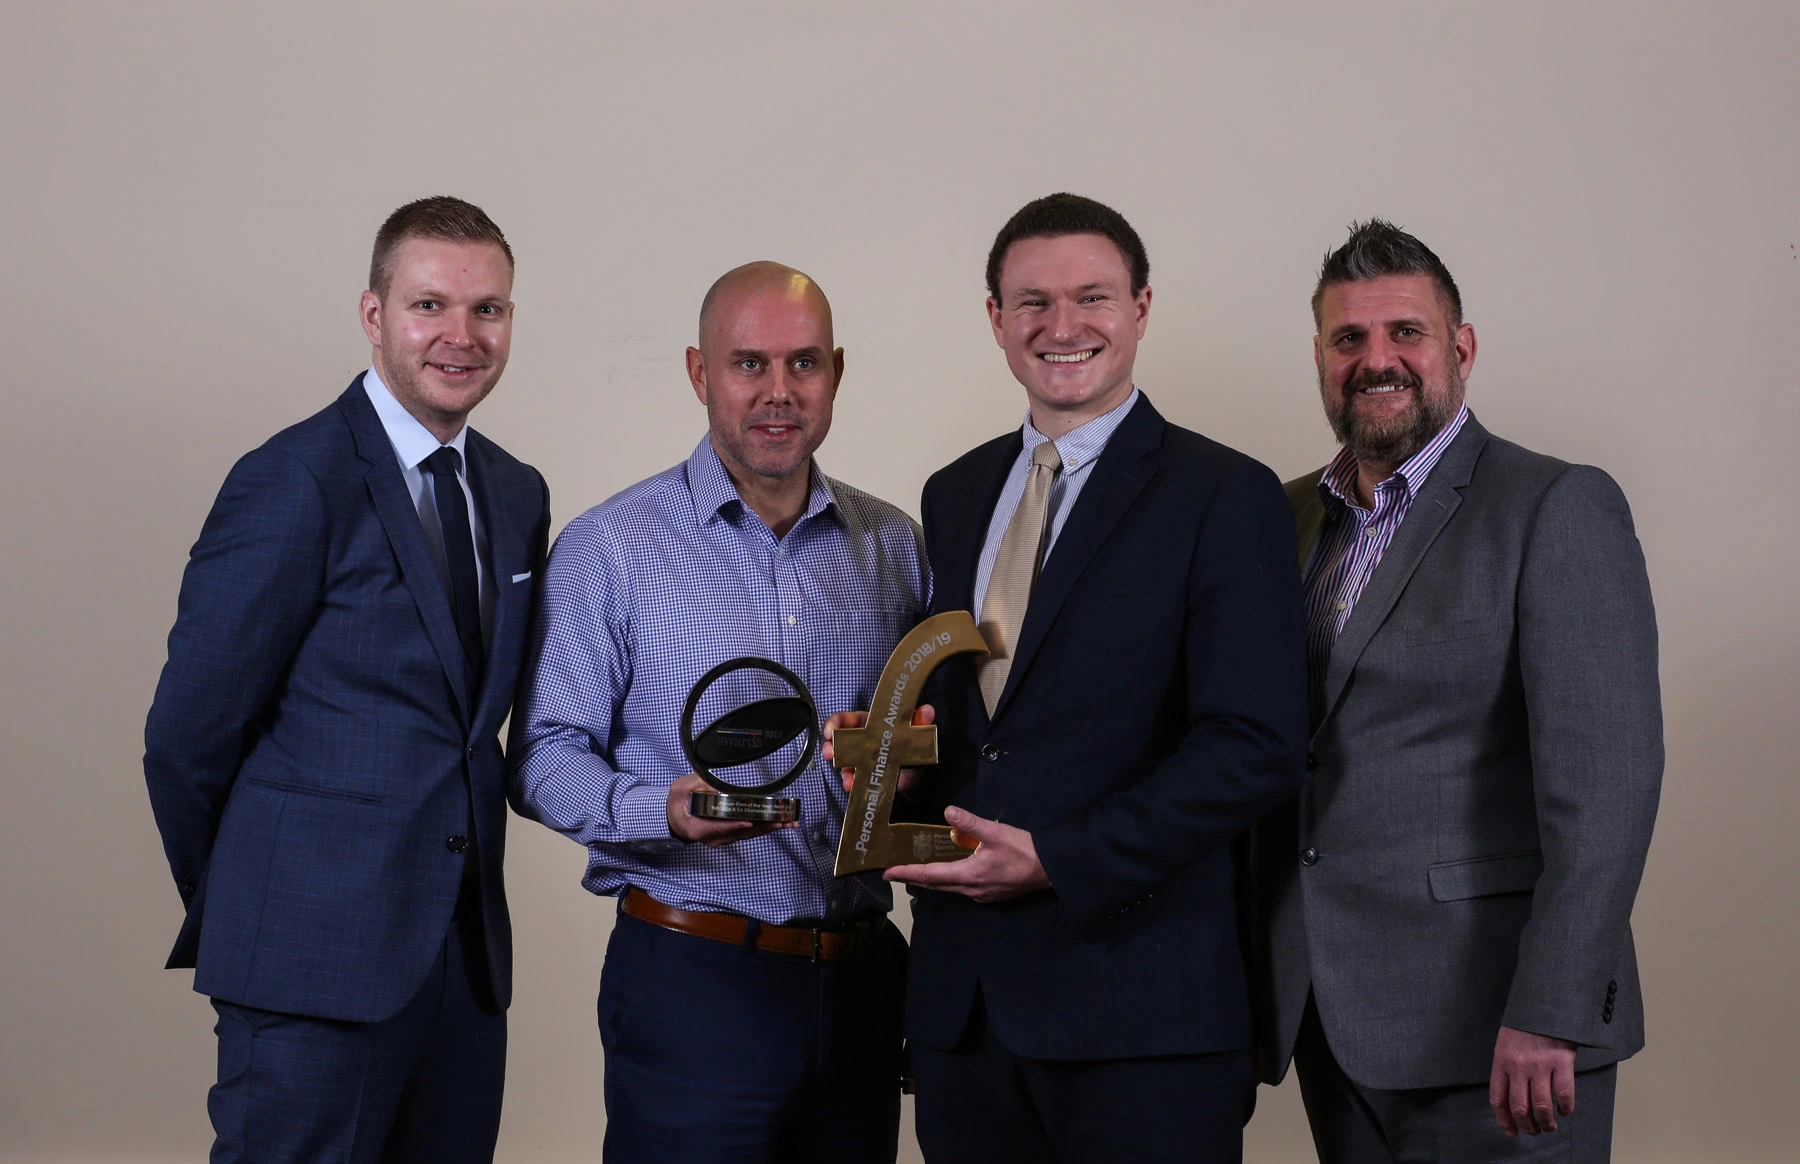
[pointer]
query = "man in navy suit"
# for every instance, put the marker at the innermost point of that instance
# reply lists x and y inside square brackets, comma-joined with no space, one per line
[1076,989]
[322,753]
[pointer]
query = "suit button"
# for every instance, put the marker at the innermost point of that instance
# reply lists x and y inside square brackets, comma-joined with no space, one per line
[457,843]
[1309,856]
[1312,761]
[991,753]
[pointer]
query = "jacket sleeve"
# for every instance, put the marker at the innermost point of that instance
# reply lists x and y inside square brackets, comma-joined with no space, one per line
[248,595]
[1245,739]
[1588,663]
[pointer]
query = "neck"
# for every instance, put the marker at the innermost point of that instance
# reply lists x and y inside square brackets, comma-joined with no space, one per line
[779,501]
[1368,475]
[1056,423]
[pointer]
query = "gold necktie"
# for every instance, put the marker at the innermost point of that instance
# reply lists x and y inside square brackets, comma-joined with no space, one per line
[1015,572]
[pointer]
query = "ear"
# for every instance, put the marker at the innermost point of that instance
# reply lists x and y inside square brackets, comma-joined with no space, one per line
[696,369]
[1141,306]
[837,371]
[1465,349]
[1319,355]
[993,306]
[370,313]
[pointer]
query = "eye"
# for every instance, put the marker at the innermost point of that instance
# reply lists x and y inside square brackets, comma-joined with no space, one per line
[427,305]
[489,308]
[749,363]
[803,364]
[1093,298]
[1409,332]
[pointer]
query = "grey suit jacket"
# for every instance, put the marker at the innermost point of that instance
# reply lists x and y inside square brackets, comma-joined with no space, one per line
[1483,775]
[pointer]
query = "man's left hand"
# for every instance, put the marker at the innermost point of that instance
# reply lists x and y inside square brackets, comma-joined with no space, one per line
[1533,1081]
[1004,863]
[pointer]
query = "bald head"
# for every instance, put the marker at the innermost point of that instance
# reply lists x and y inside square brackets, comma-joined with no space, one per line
[754,283]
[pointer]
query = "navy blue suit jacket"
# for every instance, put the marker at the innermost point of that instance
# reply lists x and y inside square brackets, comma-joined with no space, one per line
[1156,707]
[313,746]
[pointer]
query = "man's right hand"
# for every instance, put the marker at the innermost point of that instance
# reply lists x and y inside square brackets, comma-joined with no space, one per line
[909,777]
[684,825]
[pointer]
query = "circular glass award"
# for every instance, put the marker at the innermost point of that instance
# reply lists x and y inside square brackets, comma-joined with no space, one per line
[752,732]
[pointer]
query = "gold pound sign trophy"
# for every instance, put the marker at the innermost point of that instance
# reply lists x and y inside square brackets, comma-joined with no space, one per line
[891,741]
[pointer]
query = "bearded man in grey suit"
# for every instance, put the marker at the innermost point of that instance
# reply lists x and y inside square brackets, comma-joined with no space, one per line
[1442,926]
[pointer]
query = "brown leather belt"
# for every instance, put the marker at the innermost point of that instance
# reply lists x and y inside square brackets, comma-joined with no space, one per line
[821,944]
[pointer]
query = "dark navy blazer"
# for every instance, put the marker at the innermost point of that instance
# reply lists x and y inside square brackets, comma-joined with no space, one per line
[314,756]
[1156,707]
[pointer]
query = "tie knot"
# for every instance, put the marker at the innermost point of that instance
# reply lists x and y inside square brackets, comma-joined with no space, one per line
[442,463]
[1046,456]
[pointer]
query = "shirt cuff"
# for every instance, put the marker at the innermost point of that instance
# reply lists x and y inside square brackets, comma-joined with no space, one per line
[643,814]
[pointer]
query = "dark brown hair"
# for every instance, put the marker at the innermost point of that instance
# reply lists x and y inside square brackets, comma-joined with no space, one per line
[1056,215]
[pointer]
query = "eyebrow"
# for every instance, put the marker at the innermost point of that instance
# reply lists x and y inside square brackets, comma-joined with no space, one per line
[1098,285]
[1411,321]
[814,351]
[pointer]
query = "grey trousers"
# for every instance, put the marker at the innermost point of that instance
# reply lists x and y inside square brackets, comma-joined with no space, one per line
[1352,1124]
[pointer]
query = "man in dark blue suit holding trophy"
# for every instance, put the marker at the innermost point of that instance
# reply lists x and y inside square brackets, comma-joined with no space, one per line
[1076,988]
[322,754]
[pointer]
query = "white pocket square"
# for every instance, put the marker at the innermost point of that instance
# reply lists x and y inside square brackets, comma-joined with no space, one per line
[521,577]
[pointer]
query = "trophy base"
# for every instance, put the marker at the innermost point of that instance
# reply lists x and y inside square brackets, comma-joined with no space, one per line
[744,806]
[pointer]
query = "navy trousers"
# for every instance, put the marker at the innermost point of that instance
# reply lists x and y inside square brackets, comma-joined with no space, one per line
[979,1103]
[716,1052]
[422,1086]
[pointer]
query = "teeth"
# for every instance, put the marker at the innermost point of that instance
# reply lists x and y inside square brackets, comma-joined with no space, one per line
[1381,388]
[451,368]
[1071,358]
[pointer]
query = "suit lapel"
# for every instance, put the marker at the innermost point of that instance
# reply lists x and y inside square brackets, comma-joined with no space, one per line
[497,519]
[971,519]
[1430,513]
[1125,466]
[1309,512]
[394,505]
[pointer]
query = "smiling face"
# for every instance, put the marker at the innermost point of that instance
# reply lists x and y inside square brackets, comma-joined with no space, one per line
[1391,366]
[1069,324]
[443,329]
[767,373]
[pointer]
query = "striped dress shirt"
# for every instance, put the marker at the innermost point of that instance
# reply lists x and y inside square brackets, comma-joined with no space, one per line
[642,596]
[1351,542]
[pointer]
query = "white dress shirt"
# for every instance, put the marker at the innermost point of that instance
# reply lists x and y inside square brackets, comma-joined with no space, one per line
[413,442]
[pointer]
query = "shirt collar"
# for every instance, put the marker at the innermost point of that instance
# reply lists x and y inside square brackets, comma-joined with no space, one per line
[412,441]
[1339,481]
[1078,447]
[713,491]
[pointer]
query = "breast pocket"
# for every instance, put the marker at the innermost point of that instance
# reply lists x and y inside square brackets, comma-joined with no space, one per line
[1456,630]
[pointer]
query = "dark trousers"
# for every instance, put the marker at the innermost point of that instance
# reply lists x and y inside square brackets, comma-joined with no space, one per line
[1352,1124]
[424,1085]
[715,1052]
[979,1102]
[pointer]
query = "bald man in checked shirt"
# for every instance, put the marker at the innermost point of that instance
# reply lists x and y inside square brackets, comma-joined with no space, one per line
[750,1004]
[1442,939]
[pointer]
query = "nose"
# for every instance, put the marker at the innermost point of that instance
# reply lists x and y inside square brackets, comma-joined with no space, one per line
[457,331]
[1065,320]
[781,384]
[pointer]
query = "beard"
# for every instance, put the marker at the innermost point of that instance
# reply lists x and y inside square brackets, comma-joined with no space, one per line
[1392,440]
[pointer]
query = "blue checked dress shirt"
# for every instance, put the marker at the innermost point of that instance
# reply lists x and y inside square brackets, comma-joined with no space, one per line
[642,596]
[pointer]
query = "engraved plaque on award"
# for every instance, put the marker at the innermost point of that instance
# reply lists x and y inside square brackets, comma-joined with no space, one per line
[891,741]
[749,733]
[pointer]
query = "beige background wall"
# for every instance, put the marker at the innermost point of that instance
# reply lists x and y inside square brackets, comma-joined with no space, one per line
[188,193]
